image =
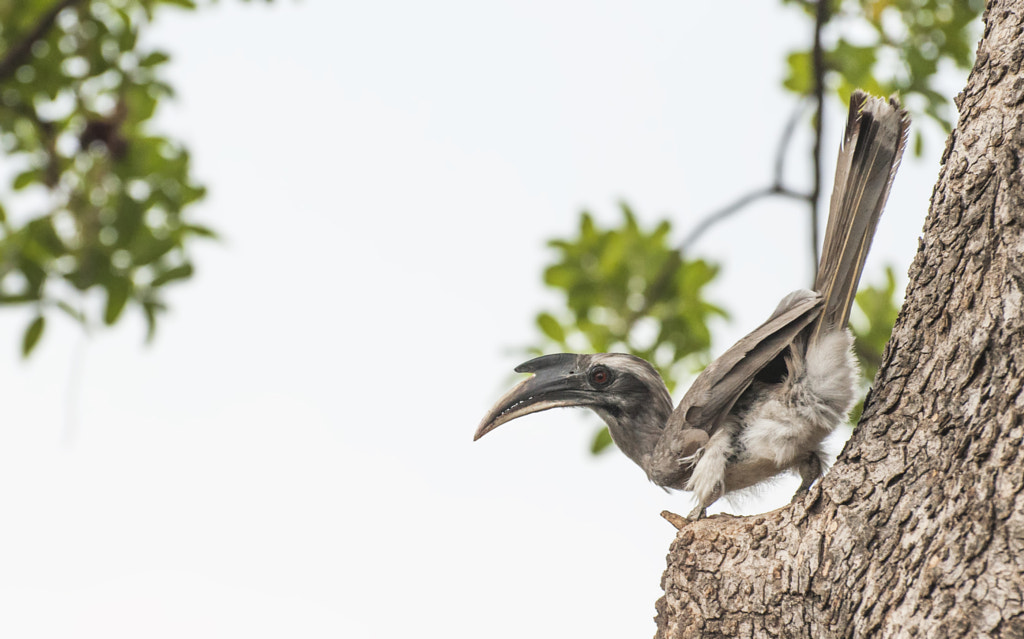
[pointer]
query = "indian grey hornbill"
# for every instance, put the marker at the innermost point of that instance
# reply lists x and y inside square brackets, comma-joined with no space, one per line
[766,405]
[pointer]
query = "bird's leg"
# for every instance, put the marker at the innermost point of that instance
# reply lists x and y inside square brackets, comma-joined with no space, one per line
[811,468]
[703,501]
[707,482]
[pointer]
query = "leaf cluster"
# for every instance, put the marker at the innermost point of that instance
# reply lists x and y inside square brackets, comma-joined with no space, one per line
[886,46]
[96,200]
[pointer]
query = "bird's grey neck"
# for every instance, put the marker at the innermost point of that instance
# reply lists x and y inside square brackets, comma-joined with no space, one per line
[636,427]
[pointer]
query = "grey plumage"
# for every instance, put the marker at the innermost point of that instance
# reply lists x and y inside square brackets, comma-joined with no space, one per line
[745,418]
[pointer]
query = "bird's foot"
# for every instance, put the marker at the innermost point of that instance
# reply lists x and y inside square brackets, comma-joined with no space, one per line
[698,513]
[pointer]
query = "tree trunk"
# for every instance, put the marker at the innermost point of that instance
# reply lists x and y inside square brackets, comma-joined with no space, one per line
[918,530]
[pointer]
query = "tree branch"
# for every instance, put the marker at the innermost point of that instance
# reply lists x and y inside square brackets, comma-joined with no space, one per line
[787,135]
[664,276]
[730,209]
[675,259]
[776,187]
[20,51]
[818,63]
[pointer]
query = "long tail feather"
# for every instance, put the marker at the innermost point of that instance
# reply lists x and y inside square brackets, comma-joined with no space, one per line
[876,134]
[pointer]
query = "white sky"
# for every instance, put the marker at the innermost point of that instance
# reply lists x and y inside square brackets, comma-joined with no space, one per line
[293,456]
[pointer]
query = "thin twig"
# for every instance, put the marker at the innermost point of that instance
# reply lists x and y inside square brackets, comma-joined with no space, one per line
[787,135]
[19,52]
[818,61]
[776,187]
[729,210]
[675,258]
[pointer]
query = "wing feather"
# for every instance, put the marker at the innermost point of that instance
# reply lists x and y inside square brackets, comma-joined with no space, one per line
[715,391]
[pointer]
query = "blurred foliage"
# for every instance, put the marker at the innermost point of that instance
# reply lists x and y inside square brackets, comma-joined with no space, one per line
[627,289]
[96,200]
[887,46]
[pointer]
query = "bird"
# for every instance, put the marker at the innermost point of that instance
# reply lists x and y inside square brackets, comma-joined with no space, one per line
[765,405]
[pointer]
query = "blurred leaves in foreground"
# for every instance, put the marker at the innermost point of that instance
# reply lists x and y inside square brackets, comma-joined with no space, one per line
[96,200]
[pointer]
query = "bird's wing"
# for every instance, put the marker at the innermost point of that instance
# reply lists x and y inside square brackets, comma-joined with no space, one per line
[715,391]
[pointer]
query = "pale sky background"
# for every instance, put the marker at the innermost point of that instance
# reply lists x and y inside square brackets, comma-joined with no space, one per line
[293,456]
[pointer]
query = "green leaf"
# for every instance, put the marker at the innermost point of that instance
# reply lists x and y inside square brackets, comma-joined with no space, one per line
[32,335]
[177,273]
[20,298]
[880,306]
[202,231]
[602,440]
[72,312]
[561,275]
[118,290]
[800,76]
[146,248]
[550,326]
[23,180]
[855,65]
[150,307]
[42,232]
[153,59]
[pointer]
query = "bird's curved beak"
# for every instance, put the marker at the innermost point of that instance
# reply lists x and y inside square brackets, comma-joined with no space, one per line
[557,381]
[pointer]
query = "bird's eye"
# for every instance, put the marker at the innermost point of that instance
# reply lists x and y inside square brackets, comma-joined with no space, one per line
[600,376]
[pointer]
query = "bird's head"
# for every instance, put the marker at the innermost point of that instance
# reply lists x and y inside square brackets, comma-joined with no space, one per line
[623,389]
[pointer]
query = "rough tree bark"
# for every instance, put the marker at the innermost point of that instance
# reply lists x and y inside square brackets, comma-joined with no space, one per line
[918,530]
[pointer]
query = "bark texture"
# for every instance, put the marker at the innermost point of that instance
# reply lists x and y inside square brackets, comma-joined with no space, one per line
[918,530]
